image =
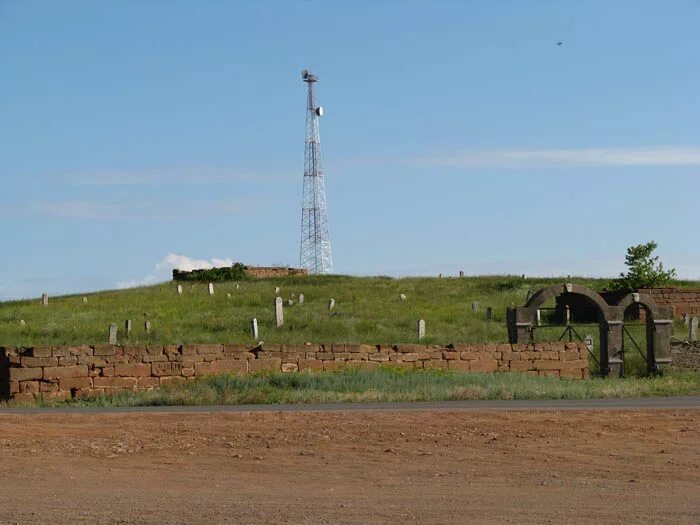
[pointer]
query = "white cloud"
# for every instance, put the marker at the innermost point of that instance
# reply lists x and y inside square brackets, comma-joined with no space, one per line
[158,176]
[581,157]
[162,271]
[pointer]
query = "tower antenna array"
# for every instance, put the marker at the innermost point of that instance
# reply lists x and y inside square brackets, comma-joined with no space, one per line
[315,239]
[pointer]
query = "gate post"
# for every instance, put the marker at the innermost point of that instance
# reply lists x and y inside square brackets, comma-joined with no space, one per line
[519,325]
[611,356]
[659,356]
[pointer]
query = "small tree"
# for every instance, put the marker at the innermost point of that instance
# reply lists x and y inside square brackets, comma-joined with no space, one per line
[644,270]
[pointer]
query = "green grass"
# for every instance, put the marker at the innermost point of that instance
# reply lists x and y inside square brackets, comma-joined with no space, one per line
[391,385]
[368,310]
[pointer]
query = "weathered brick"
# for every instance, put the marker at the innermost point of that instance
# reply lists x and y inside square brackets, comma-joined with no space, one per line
[107,371]
[14,387]
[483,365]
[133,370]
[154,358]
[68,361]
[135,351]
[29,387]
[459,366]
[433,363]
[148,382]
[210,349]
[104,350]
[333,365]
[39,351]
[541,364]
[60,372]
[290,367]
[155,349]
[25,374]
[469,355]
[569,355]
[76,382]
[310,364]
[520,366]
[115,382]
[235,349]
[56,394]
[450,356]
[60,351]
[81,350]
[531,355]
[363,365]
[23,398]
[172,380]
[188,372]
[549,373]
[32,362]
[259,365]
[167,368]
[380,357]
[239,366]
[202,368]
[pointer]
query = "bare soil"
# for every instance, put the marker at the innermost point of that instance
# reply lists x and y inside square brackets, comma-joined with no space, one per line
[352,467]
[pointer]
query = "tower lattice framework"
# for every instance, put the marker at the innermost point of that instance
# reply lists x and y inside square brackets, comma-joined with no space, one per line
[315,238]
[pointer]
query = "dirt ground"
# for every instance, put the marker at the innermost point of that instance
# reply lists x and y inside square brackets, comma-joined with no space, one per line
[352,467]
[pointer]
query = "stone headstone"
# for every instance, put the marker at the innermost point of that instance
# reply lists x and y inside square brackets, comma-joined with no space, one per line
[439,276]
[147,326]
[693,331]
[588,341]
[44,299]
[22,322]
[279,312]
[301,298]
[254,329]
[211,288]
[112,334]
[237,286]
[686,319]
[403,296]
[461,274]
[421,329]
[331,304]
[277,289]
[228,295]
[179,289]
[539,317]
[489,313]
[127,327]
[84,300]
[475,307]
[290,302]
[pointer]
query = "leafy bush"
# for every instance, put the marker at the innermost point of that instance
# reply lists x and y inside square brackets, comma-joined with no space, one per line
[236,272]
[644,270]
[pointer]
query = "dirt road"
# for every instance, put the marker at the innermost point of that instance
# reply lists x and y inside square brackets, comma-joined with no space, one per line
[353,467]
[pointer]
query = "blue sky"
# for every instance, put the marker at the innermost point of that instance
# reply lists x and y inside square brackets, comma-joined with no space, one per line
[137,136]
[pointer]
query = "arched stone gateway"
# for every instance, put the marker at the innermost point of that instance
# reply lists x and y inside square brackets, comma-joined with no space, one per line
[522,320]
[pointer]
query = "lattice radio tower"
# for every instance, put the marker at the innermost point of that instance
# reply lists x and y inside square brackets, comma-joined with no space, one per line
[315,239]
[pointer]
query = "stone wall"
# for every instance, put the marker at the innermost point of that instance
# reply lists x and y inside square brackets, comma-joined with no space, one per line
[63,372]
[260,272]
[685,355]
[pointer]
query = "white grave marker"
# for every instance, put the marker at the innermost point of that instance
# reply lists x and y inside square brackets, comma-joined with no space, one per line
[211,288]
[279,312]
[45,299]
[254,328]
[179,289]
[112,334]
[421,329]
[331,304]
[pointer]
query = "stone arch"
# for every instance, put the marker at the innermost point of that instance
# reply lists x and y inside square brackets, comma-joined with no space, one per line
[659,324]
[521,321]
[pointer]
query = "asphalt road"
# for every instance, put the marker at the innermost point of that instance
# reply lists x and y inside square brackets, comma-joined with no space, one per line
[647,403]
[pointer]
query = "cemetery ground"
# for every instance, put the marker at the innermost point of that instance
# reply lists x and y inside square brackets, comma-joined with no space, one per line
[578,467]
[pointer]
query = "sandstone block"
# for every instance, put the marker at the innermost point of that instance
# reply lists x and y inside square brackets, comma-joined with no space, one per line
[68,361]
[154,358]
[115,382]
[434,363]
[39,351]
[60,351]
[549,373]
[23,398]
[382,358]
[14,387]
[188,372]
[459,366]
[541,364]
[32,362]
[239,366]
[166,368]
[235,349]
[333,365]
[56,394]
[155,349]
[25,374]
[569,355]
[76,382]
[91,360]
[60,372]
[520,366]
[133,370]
[106,371]
[310,364]
[265,365]
[81,350]
[29,387]
[450,356]
[469,355]
[188,349]
[290,367]
[134,351]
[483,365]
[148,382]
[210,349]
[169,381]
[104,350]
[202,368]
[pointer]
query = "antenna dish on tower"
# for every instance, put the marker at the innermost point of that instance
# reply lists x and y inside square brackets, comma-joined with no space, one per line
[304,73]
[319,111]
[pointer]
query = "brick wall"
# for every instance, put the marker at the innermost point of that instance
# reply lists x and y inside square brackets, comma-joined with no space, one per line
[683,301]
[260,272]
[685,355]
[77,371]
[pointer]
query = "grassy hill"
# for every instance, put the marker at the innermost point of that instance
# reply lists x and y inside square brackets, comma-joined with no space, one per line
[368,310]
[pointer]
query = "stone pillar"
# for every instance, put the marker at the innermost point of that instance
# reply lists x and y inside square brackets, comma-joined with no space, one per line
[612,362]
[279,312]
[660,355]
[421,329]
